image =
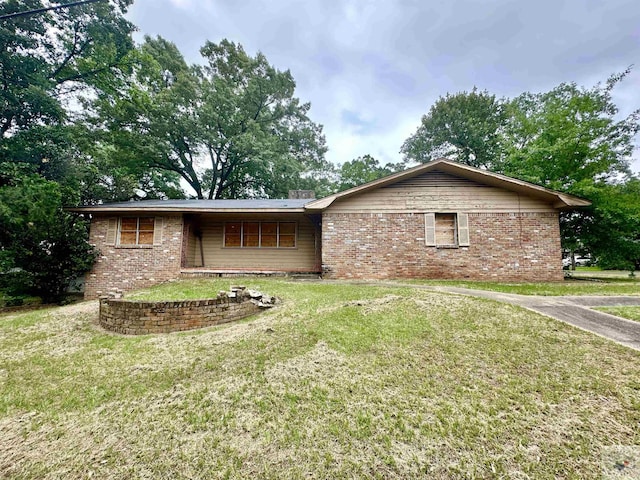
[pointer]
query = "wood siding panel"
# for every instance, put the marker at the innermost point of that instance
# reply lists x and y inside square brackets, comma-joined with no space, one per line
[217,257]
[439,192]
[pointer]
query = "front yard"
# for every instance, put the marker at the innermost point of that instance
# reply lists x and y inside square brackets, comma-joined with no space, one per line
[339,381]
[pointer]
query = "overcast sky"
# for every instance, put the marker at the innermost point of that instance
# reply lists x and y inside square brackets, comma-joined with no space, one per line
[372,68]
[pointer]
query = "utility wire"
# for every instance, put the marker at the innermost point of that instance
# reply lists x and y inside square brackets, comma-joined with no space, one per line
[46,9]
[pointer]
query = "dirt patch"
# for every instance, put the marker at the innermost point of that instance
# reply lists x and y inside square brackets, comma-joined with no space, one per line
[318,363]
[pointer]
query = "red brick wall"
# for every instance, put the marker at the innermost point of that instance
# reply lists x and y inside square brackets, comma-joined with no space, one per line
[503,247]
[139,317]
[129,268]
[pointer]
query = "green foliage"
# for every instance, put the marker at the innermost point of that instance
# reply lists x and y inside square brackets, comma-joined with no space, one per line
[48,58]
[611,228]
[63,58]
[362,170]
[464,127]
[237,113]
[42,247]
[569,138]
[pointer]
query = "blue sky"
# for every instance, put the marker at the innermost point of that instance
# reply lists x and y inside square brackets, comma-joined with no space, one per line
[372,68]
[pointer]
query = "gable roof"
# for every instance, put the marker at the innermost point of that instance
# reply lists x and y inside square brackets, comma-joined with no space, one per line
[559,200]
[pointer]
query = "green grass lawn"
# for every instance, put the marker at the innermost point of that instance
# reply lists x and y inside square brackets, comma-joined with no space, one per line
[338,381]
[632,313]
[568,287]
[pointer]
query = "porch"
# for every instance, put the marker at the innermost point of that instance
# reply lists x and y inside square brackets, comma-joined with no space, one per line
[219,244]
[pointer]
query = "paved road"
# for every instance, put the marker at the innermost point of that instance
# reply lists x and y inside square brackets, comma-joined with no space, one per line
[574,310]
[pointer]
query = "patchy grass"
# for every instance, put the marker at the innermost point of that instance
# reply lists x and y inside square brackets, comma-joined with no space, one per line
[568,287]
[598,273]
[339,381]
[632,313]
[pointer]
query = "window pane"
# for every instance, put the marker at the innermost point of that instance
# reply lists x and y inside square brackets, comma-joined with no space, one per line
[288,228]
[232,234]
[445,229]
[250,240]
[128,238]
[146,224]
[287,241]
[145,238]
[269,240]
[251,228]
[269,228]
[232,241]
[129,224]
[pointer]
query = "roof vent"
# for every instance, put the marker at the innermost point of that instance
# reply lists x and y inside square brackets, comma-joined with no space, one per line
[302,194]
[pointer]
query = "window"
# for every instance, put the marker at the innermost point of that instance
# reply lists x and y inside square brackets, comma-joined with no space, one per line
[260,234]
[136,231]
[446,230]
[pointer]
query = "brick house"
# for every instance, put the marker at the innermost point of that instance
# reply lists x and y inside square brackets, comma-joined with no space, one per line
[437,220]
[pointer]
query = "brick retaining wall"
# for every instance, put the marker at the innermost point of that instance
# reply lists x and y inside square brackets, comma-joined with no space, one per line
[143,317]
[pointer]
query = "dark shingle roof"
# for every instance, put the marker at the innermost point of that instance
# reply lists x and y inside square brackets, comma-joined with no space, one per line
[265,205]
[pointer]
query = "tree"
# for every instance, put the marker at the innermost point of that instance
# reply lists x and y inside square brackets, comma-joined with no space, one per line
[231,128]
[362,170]
[569,138]
[51,58]
[610,229]
[42,247]
[464,127]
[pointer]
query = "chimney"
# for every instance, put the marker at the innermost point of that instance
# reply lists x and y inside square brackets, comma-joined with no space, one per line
[302,194]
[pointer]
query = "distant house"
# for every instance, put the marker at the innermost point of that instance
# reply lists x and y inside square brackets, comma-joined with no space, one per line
[440,220]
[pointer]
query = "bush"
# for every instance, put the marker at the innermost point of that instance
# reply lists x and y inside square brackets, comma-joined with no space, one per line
[42,247]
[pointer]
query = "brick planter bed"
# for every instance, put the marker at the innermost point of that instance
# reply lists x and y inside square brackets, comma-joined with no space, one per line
[133,317]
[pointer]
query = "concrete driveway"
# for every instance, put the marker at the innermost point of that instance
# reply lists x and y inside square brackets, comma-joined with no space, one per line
[575,310]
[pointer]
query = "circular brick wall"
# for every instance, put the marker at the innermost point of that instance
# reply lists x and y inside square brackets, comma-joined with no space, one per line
[142,317]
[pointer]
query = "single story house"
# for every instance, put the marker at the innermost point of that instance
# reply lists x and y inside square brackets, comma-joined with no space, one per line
[439,220]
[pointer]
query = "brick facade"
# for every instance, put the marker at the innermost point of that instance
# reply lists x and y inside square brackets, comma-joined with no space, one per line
[503,247]
[128,268]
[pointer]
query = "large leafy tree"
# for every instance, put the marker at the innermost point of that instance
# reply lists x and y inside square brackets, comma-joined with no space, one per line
[231,128]
[362,170]
[569,138]
[49,61]
[610,230]
[464,127]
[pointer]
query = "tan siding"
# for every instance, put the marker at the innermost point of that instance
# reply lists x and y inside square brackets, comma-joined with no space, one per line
[440,192]
[301,258]
[193,249]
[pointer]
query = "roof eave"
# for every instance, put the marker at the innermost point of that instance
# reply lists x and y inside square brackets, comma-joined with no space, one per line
[182,210]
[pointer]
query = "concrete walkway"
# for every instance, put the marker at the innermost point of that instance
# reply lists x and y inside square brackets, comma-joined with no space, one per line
[575,310]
